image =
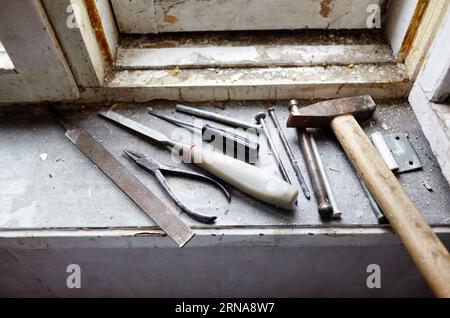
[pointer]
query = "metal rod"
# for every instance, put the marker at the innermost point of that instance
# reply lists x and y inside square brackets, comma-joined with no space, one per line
[337,213]
[176,121]
[216,117]
[373,204]
[290,154]
[260,120]
[324,207]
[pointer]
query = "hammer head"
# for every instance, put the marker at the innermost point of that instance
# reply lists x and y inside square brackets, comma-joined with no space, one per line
[319,115]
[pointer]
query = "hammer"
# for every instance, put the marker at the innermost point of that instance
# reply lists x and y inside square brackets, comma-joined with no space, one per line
[425,248]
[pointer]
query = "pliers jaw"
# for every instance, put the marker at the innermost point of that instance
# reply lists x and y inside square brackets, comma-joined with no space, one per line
[157,169]
[142,161]
[134,155]
[153,166]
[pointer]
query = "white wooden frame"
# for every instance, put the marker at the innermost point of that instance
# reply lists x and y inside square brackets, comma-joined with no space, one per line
[6,64]
[256,237]
[435,76]
[443,91]
[89,59]
[40,70]
[400,13]
[431,87]
[411,28]
[90,41]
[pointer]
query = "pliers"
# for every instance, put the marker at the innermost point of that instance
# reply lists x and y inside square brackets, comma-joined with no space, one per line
[157,170]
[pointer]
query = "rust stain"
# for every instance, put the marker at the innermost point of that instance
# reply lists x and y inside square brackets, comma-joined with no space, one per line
[99,31]
[325,8]
[163,44]
[410,37]
[170,18]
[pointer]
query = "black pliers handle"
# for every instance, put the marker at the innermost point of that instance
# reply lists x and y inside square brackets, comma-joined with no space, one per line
[158,169]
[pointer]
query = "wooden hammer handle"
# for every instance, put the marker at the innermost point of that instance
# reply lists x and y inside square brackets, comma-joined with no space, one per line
[425,248]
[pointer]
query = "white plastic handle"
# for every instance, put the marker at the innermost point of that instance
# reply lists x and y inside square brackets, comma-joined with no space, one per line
[254,181]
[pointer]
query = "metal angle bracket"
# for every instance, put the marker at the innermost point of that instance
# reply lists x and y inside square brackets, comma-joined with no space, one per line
[404,153]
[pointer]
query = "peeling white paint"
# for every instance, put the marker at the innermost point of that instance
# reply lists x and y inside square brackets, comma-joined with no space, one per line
[156,16]
[252,56]
[276,83]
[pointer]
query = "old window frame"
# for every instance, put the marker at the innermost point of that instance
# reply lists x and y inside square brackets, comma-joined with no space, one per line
[40,70]
[88,51]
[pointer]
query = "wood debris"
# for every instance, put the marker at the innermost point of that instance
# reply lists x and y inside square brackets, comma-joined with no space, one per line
[115,106]
[334,169]
[175,71]
[427,186]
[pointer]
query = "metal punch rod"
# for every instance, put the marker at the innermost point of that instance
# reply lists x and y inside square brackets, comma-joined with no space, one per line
[337,213]
[290,154]
[373,204]
[324,206]
[260,119]
[216,117]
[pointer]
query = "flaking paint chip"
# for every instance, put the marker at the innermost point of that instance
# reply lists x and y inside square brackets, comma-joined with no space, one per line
[170,18]
[43,156]
[326,7]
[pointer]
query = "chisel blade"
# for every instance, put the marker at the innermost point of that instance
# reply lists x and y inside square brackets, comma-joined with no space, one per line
[135,126]
[145,199]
